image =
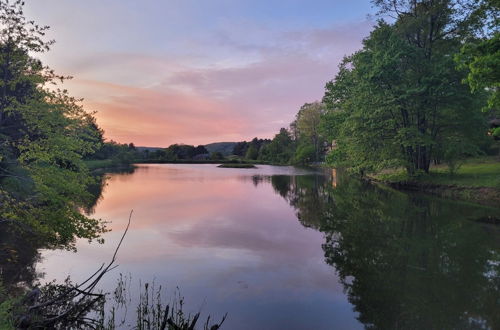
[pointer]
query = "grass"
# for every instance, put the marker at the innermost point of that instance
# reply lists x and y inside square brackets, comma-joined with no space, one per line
[236,165]
[475,172]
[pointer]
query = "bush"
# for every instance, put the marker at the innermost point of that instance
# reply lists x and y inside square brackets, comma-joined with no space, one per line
[305,154]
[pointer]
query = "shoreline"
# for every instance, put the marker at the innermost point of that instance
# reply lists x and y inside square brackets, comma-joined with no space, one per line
[477,180]
[487,196]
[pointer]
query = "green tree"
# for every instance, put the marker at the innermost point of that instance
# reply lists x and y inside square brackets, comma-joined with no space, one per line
[252,152]
[44,134]
[400,100]
[308,126]
[482,59]
[280,150]
[305,154]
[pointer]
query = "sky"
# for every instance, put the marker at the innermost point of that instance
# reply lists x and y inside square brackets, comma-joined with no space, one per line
[159,72]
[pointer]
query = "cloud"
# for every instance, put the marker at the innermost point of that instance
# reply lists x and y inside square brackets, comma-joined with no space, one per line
[231,83]
[152,117]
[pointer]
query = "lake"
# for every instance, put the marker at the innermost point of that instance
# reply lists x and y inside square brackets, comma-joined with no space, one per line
[288,248]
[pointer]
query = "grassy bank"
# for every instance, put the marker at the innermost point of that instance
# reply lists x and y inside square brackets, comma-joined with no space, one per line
[477,180]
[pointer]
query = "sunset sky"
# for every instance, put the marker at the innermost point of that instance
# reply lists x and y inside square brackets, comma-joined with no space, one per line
[183,71]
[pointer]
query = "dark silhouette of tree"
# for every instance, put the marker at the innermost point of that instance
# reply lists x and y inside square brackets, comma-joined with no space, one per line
[406,261]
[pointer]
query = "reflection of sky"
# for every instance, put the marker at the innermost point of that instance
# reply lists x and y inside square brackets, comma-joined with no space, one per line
[160,72]
[229,245]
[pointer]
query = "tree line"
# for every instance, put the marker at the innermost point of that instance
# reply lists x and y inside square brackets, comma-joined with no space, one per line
[403,99]
[423,89]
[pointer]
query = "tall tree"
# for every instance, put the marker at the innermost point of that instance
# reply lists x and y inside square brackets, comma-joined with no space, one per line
[44,133]
[280,150]
[308,125]
[401,98]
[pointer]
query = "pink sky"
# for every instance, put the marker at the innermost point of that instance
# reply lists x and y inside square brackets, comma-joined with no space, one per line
[178,73]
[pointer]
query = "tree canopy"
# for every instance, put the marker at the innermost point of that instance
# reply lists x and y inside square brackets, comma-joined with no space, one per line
[44,134]
[400,100]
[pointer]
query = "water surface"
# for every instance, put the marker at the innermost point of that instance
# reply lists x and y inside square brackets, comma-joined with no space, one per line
[288,248]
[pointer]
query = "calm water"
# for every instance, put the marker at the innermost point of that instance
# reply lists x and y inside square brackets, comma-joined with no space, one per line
[285,248]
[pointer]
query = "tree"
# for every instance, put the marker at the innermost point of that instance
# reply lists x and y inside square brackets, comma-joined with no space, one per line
[240,149]
[308,126]
[252,152]
[44,134]
[216,155]
[305,154]
[200,150]
[400,99]
[280,150]
[482,59]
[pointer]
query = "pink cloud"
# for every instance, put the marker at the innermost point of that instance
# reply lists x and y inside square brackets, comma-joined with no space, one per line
[157,101]
[149,117]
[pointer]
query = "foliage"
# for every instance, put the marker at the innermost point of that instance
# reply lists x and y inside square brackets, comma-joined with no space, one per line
[482,59]
[44,135]
[176,152]
[252,152]
[280,150]
[303,143]
[6,306]
[152,314]
[216,156]
[118,154]
[304,154]
[307,124]
[399,101]
[240,148]
[496,132]
[225,148]
[480,53]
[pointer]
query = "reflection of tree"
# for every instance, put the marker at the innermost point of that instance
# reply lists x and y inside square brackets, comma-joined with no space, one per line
[406,261]
[18,256]
[19,246]
[306,193]
[97,188]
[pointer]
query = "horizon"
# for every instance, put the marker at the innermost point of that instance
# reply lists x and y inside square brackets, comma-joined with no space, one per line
[180,72]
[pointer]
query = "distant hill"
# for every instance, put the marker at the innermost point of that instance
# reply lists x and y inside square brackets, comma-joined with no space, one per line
[225,148]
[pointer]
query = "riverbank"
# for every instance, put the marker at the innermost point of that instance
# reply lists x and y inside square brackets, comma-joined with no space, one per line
[477,180]
[105,164]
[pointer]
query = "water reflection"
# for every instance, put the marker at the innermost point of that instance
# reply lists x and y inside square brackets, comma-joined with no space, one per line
[19,246]
[406,261]
[96,189]
[231,246]
[253,243]
[18,256]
